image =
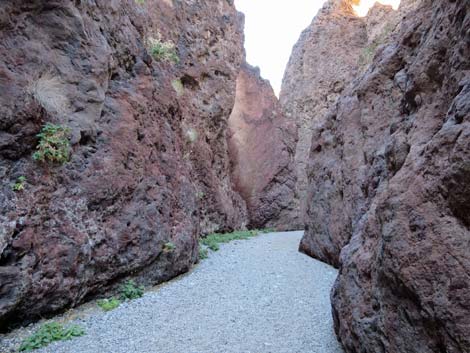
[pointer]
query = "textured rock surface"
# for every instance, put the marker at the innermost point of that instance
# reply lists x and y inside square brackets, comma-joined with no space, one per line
[150,158]
[323,61]
[261,147]
[404,284]
[389,178]
[336,48]
[330,53]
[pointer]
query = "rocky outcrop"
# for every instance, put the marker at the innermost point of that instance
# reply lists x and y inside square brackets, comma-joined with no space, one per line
[389,188]
[335,39]
[404,281]
[150,161]
[261,147]
[336,49]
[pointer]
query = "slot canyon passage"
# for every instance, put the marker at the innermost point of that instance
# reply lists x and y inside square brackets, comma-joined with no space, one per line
[135,138]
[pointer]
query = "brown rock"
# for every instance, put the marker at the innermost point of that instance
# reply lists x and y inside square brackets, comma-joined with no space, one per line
[336,48]
[320,66]
[404,281]
[150,158]
[389,189]
[261,149]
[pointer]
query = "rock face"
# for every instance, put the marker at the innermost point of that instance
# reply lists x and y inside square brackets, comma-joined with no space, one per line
[337,48]
[261,146]
[335,39]
[389,187]
[150,158]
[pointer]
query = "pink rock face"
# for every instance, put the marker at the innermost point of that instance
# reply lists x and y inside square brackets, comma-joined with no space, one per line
[389,189]
[331,53]
[261,149]
[150,158]
[323,62]
[404,283]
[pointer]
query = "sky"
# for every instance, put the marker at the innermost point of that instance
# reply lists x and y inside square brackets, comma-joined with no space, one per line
[272,27]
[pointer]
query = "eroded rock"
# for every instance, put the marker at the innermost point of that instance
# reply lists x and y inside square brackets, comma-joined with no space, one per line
[404,280]
[150,159]
[261,149]
[388,183]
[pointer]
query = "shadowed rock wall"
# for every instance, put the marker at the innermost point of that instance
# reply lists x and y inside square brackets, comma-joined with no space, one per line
[388,189]
[262,143]
[150,159]
[331,53]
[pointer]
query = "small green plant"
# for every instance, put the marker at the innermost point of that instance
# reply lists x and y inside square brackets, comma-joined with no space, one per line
[108,304]
[140,2]
[178,87]
[161,50]
[203,252]
[169,247]
[212,241]
[54,144]
[191,135]
[19,184]
[368,52]
[266,230]
[49,333]
[130,290]
[200,195]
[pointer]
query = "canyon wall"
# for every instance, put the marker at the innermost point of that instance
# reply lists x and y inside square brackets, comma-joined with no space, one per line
[336,48]
[388,187]
[308,88]
[261,145]
[149,162]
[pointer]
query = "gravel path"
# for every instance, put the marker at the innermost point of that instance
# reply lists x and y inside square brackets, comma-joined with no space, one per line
[253,296]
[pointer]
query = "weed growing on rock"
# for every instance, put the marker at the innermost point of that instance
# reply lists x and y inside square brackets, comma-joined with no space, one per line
[109,304]
[163,51]
[169,247]
[19,184]
[212,241]
[368,52]
[203,252]
[200,195]
[130,290]
[140,2]
[191,135]
[54,144]
[267,230]
[49,333]
[178,87]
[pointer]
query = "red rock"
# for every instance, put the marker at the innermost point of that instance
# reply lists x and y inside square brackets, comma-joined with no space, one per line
[261,150]
[150,158]
[388,191]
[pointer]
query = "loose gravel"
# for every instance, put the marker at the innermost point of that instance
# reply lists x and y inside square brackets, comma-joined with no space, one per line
[253,296]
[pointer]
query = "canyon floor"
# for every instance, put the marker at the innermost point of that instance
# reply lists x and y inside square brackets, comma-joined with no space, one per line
[256,295]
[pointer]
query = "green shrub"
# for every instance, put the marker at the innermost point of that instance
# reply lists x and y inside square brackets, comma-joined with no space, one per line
[19,184]
[266,230]
[54,144]
[200,195]
[212,241]
[49,333]
[163,51]
[203,253]
[191,135]
[169,247]
[109,304]
[140,2]
[130,290]
[368,52]
[178,87]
